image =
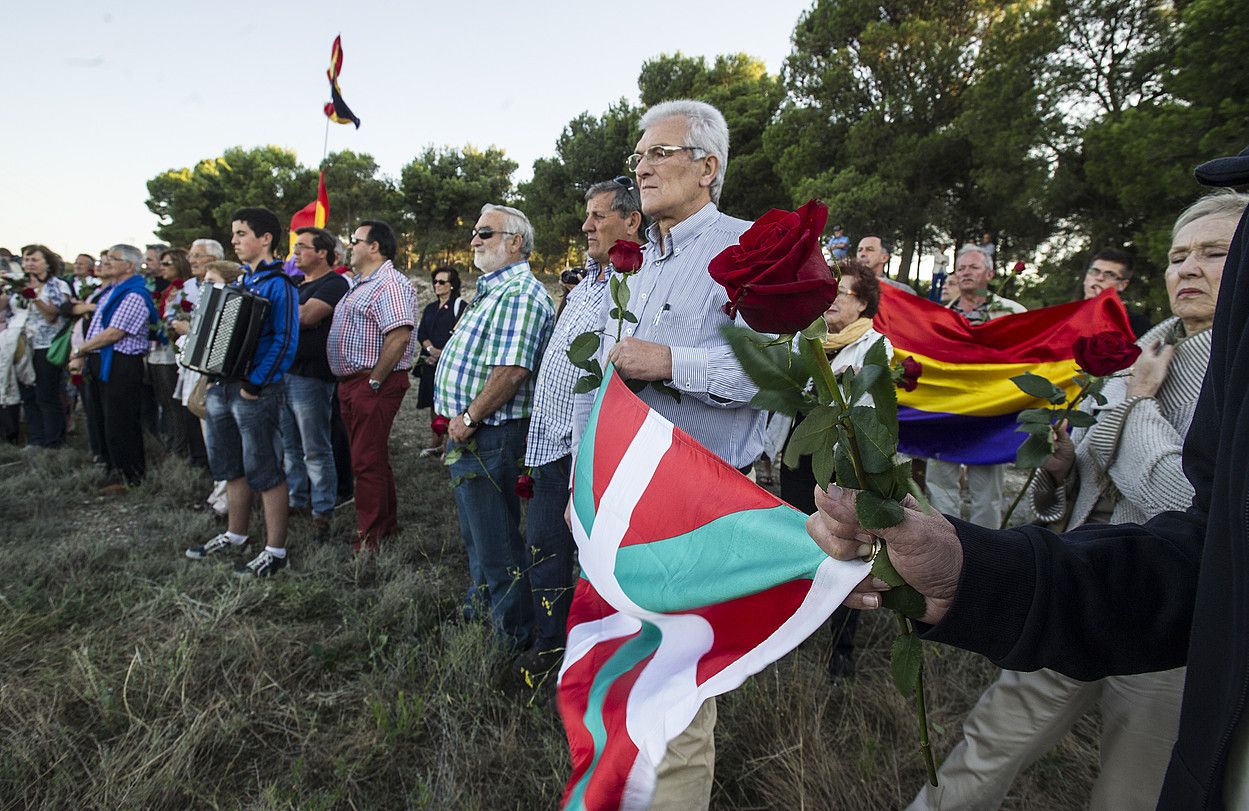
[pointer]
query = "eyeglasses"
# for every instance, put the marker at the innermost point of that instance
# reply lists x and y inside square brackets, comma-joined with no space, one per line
[843,291]
[442,281]
[1098,273]
[488,232]
[357,240]
[656,154]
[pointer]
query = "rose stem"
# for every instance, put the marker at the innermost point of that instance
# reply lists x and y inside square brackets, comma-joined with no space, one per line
[1075,402]
[906,629]
[826,384]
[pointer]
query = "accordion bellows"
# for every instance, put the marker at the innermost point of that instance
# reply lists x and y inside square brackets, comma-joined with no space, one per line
[225,330]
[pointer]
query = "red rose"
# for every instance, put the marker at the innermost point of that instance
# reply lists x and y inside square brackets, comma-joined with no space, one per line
[439,425]
[75,379]
[524,482]
[29,293]
[186,306]
[1018,268]
[911,370]
[775,275]
[1105,353]
[625,256]
[177,283]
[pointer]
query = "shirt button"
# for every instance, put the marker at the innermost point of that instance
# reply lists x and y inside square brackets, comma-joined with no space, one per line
[629,331]
[643,297]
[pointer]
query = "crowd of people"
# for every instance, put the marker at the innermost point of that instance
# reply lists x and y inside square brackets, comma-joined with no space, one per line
[309,422]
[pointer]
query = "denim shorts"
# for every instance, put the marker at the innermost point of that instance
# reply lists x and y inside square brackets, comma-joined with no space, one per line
[244,437]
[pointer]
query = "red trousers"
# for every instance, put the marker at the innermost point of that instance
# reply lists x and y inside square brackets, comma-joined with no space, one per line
[369,416]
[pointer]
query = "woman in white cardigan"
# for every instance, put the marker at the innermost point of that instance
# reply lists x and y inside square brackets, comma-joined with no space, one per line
[850,335]
[1125,469]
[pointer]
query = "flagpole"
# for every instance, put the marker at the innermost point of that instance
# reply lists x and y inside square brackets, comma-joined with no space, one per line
[325,147]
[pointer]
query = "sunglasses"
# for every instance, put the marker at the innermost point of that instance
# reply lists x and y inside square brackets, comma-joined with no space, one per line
[488,232]
[357,240]
[441,281]
[165,263]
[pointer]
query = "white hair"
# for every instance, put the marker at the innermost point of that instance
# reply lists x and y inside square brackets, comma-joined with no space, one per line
[514,220]
[211,247]
[708,132]
[1221,203]
[129,253]
[970,248]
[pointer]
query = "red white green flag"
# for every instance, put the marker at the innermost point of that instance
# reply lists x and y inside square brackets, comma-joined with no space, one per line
[693,579]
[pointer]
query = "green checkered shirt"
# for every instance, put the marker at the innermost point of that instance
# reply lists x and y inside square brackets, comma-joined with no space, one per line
[506,324]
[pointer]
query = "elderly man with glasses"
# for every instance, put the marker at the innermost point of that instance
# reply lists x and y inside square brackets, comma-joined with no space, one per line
[370,346]
[680,164]
[485,383]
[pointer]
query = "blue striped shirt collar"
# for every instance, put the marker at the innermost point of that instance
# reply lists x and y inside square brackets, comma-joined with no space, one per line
[592,271]
[498,277]
[683,232]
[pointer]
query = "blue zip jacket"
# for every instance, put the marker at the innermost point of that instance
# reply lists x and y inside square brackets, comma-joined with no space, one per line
[275,352]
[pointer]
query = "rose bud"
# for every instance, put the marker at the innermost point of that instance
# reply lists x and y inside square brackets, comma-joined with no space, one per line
[776,276]
[625,256]
[524,486]
[29,293]
[75,379]
[439,425]
[186,306]
[911,370]
[1105,353]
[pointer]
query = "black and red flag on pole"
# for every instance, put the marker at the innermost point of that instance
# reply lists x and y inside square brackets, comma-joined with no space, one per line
[337,110]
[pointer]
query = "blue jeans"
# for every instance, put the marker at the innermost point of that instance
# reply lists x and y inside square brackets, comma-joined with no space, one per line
[310,472]
[485,497]
[244,436]
[549,549]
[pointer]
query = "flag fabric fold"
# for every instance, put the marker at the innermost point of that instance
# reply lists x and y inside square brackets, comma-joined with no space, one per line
[316,214]
[965,407]
[693,579]
[336,109]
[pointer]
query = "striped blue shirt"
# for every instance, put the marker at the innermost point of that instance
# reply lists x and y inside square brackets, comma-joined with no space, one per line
[506,324]
[678,304]
[550,425]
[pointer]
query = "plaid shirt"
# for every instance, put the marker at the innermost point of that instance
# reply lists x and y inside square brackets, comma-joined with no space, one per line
[506,324]
[375,305]
[550,426]
[130,317]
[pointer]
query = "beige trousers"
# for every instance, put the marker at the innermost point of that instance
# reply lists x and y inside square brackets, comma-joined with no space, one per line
[684,778]
[1022,715]
[984,484]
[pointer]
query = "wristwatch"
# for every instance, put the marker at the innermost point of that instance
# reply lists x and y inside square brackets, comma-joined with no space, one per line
[468,421]
[375,384]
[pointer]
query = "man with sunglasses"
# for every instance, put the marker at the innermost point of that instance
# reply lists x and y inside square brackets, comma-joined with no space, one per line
[613,212]
[680,165]
[370,346]
[485,382]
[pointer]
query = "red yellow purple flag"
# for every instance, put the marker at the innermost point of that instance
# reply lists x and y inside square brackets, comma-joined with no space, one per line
[336,109]
[315,214]
[965,407]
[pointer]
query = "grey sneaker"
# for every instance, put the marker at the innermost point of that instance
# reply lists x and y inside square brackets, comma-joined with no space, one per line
[219,543]
[263,565]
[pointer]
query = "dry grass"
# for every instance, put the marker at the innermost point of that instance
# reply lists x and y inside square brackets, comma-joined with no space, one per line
[131,677]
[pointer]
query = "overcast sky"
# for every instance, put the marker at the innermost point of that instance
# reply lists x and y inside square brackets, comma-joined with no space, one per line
[101,97]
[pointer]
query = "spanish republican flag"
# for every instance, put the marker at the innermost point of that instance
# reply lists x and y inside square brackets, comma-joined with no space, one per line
[965,407]
[315,214]
[337,110]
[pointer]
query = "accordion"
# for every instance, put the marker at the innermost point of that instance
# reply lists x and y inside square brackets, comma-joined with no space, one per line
[225,329]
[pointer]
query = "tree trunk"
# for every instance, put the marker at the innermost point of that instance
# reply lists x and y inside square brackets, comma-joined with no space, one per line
[908,254]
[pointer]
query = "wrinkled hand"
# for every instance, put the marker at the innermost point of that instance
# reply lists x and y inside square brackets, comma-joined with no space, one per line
[923,548]
[1150,370]
[434,353]
[636,359]
[459,432]
[1059,465]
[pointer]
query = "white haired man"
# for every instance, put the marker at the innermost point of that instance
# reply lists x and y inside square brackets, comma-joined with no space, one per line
[680,164]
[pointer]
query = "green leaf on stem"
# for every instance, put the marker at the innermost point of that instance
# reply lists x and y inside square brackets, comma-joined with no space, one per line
[1039,387]
[1038,415]
[587,384]
[904,662]
[822,465]
[1033,452]
[905,600]
[1081,419]
[817,329]
[882,567]
[613,313]
[621,294]
[876,443]
[875,512]
[883,390]
[1035,428]
[782,401]
[859,385]
[773,367]
[844,468]
[583,348]
[452,456]
[630,317]
[819,428]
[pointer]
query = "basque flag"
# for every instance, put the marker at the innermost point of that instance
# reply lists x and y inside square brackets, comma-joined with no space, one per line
[693,579]
[337,110]
[965,407]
